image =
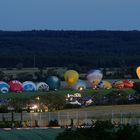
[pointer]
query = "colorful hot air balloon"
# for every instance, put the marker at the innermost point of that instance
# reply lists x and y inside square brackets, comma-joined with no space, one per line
[42,86]
[80,85]
[105,85]
[138,72]
[128,83]
[94,77]
[4,87]
[71,77]
[29,86]
[15,86]
[53,82]
[118,84]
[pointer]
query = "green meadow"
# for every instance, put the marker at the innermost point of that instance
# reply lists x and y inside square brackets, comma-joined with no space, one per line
[62,92]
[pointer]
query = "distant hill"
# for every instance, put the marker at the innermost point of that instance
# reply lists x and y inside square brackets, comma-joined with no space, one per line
[67,48]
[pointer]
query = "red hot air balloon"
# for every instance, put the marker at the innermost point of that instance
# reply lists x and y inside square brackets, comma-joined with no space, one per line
[128,83]
[15,86]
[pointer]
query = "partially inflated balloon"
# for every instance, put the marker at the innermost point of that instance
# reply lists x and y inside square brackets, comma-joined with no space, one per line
[80,85]
[94,77]
[4,87]
[71,77]
[118,84]
[128,83]
[53,82]
[138,72]
[29,86]
[42,86]
[105,85]
[15,86]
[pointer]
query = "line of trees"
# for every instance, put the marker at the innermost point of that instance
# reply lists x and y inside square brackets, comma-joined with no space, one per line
[63,48]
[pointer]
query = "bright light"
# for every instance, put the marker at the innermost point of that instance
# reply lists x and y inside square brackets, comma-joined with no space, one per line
[80,88]
[34,107]
[38,98]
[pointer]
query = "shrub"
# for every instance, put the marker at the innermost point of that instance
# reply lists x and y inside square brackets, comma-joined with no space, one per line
[70,106]
[53,123]
[102,130]
[10,124]
[3,109]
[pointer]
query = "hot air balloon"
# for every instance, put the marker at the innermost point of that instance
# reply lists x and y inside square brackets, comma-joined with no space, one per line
[94,77]
[42,86]
[15,86]
[118,84]
[138,72]
[64,85]
[71,77]
[80,85]
[29,86]
[128,83]
[104,85]
[4,87]
[53,82]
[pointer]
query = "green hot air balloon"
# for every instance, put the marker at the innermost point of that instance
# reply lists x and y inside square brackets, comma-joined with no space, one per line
[53,82]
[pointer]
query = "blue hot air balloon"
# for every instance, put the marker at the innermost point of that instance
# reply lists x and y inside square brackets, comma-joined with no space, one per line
[4,87]
[80,85]
[29,86]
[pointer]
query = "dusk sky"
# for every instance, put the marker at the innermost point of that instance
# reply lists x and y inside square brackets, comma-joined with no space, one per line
[70,14]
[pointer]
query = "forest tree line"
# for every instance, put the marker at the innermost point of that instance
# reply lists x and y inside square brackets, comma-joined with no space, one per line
[90,49]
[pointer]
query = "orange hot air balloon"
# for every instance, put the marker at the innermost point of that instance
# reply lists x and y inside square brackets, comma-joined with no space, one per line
[138,72]
[118,84]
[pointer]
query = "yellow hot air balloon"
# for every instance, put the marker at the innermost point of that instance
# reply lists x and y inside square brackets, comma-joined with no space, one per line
[71,77]
[138,72]
[106,85]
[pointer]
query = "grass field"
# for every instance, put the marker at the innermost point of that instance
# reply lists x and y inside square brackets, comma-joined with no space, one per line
[62,92]
[128,112]
[108,108]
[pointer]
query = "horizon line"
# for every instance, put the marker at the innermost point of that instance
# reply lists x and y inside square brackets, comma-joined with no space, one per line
[72,30]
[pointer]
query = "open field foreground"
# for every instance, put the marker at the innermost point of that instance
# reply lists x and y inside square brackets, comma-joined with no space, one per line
[105,112]
[30,134]
[109,108]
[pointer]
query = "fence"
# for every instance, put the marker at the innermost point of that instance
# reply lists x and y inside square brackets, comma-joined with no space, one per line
[78,117]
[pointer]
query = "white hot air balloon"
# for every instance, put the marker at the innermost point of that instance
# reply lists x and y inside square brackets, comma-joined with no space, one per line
[94,77]
[42,86]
